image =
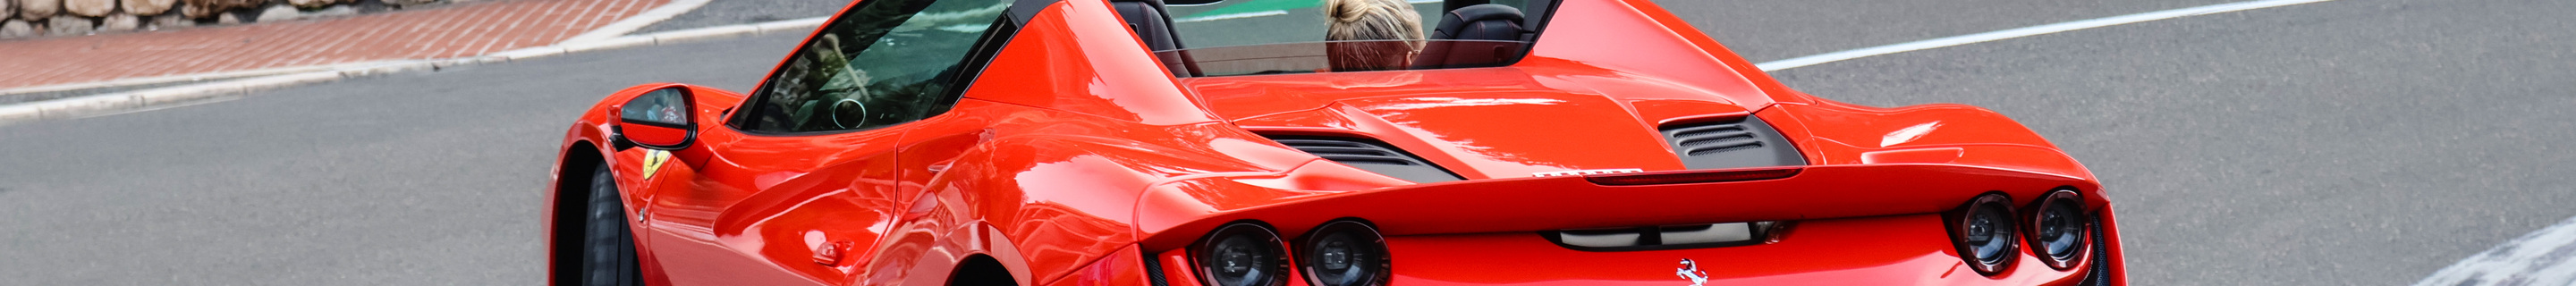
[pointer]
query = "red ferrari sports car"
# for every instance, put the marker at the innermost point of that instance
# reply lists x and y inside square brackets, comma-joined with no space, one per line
[1222,143]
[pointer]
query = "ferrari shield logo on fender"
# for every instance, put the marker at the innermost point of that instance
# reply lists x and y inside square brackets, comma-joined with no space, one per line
[653,160]
[1691,271]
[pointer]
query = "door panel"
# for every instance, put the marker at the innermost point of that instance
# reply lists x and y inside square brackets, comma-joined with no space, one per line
[806,195]
[761,210]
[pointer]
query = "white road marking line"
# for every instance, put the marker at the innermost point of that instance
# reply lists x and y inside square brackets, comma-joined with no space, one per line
[631,23]
[2025,32]
[2545,257]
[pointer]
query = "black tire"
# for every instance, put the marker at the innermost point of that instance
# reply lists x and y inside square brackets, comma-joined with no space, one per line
[981,271]
[983,279]
[608,247]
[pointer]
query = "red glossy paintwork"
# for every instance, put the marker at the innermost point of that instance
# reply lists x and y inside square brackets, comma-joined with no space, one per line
[1075,158]
[653,135]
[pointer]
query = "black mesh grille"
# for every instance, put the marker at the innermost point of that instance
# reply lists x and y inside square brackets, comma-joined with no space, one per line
[1665,237]
[1154,271]
[1346,151]
[1371,156]
[1712,138]
[2100,273]
[1739,143]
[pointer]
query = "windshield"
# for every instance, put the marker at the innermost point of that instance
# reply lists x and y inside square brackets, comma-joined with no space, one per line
[1251,37]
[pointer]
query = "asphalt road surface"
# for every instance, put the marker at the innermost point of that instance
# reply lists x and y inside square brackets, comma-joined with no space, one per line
[2353,142]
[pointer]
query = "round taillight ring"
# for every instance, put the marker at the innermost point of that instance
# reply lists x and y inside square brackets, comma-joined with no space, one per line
[1240,254]
[2056,229]
[1985,233]
[1346,252]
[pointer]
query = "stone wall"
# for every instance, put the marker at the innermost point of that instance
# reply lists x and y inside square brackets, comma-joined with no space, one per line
[44,18]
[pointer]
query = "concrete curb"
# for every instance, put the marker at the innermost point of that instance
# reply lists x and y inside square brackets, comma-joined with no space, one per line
[123,102]
[268,79]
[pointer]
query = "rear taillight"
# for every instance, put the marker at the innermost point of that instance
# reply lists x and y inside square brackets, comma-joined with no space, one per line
[1984,232]
[2057,229]
[1345,252]
[1240,254]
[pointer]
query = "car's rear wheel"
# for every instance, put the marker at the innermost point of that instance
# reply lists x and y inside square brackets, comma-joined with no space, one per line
[608,247]
[981,271]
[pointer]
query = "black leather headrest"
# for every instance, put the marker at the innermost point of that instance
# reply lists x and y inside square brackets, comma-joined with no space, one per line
[1481,22]
[1474,13]
[1153,25]
[1453,5]
[1487,22]
[1146,17]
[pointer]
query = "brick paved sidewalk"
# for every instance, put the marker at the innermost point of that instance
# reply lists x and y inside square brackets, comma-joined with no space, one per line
[459,30]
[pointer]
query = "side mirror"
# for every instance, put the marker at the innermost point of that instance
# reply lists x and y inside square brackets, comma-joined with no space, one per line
[661,119]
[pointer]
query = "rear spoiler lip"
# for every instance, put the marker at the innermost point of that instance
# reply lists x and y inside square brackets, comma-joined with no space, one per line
[1186,210]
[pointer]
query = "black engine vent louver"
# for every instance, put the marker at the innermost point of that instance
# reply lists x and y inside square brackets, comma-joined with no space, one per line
[1737,143]
[1370,155]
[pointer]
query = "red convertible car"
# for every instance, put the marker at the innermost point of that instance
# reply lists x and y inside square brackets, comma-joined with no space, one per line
[1208,143]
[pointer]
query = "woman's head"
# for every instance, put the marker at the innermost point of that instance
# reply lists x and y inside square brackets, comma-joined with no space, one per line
[1385,34]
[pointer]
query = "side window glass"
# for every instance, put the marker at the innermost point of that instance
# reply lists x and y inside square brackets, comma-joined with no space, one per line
[884,63]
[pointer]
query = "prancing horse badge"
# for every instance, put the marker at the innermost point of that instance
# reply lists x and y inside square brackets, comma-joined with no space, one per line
[1690,271]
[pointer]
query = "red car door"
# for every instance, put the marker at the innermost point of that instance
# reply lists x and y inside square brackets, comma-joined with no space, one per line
[769,209]
[799,185]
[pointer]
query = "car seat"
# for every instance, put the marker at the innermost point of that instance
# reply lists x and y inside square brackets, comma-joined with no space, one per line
[1488,22]
[1152,23]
